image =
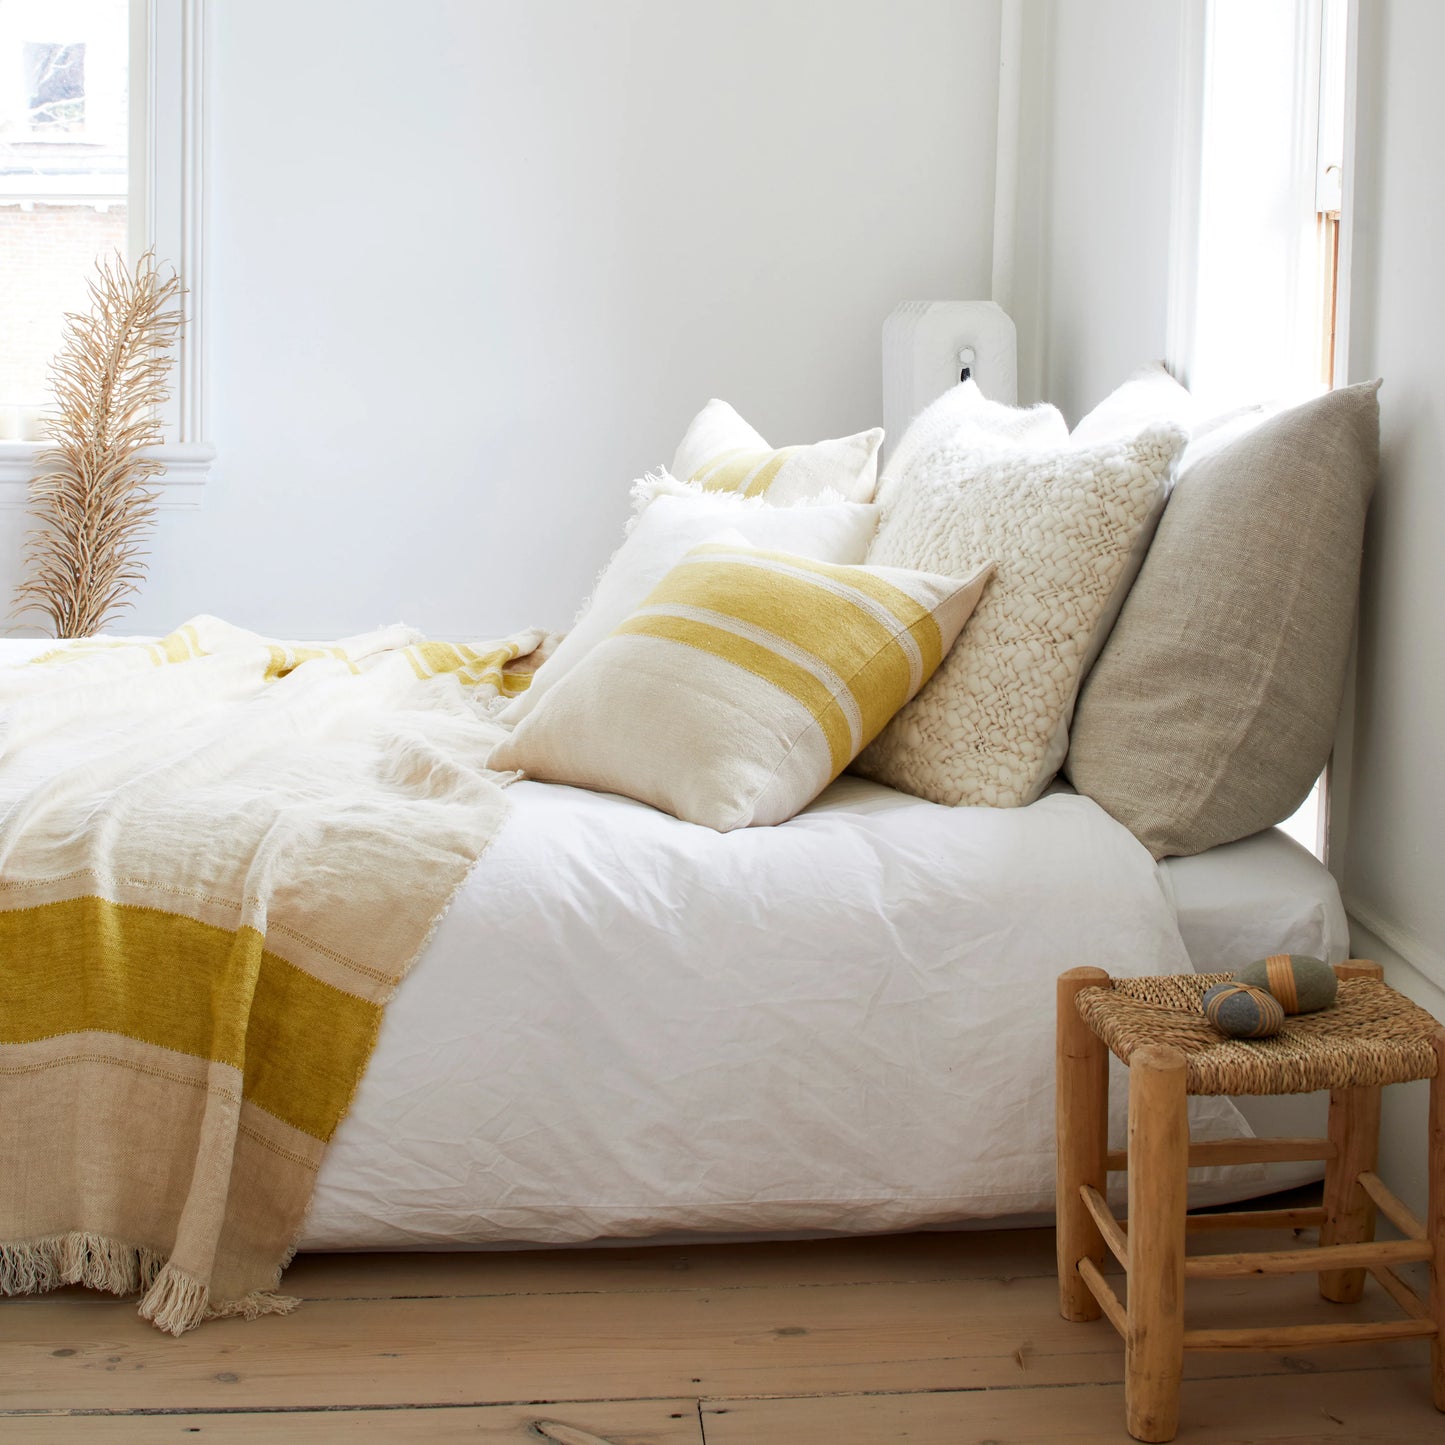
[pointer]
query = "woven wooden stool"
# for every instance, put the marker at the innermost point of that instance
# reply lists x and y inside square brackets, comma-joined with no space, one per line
[1373,1036]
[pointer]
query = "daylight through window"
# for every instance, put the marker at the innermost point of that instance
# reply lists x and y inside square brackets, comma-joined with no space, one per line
[64,181]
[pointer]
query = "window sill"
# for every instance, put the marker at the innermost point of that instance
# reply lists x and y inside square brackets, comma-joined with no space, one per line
[182,484]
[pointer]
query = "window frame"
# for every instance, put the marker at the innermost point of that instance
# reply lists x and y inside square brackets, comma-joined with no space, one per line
[167,207]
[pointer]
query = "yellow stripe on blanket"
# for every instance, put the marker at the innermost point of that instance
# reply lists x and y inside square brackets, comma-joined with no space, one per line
[179,646]
[165,979]
[470,667]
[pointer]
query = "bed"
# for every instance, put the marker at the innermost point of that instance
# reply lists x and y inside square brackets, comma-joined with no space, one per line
[855,1040]
[627,1026]
[630,1027]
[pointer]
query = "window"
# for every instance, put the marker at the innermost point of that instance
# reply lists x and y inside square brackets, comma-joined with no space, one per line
[1271,164]
[101,147]
[1260,217]
[1330,182]
[64,138]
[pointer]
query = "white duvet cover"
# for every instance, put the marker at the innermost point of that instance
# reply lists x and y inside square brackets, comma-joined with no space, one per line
[629,1026]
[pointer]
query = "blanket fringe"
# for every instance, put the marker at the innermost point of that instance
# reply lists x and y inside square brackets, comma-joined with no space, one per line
[91,1260]
[252,1306]
[176,1303]
[171,1300]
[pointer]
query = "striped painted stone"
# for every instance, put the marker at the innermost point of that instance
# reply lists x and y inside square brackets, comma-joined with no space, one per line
[1242,1012]
[1303,985]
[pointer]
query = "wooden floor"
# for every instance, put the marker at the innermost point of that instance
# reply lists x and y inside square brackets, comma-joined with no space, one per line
[930,1339]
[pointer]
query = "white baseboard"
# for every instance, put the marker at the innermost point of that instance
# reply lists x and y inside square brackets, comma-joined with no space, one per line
[1407,945]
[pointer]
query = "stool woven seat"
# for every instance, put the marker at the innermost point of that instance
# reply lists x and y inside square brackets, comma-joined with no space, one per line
[1372,1036]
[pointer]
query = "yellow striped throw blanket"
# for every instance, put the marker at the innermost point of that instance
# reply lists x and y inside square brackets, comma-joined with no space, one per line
[219,856]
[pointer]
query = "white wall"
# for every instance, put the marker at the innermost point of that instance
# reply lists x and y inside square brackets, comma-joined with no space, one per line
[1097,140]
[474,265]
[1394,839]
[1394,866]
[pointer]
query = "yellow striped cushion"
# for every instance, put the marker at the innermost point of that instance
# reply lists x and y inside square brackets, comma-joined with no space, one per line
[744,684]
[722,453]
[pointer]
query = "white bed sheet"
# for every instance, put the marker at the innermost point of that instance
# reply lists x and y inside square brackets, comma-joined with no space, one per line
[633,1027]
[1262,895]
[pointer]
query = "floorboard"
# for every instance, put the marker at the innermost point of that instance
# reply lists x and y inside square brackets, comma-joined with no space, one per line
[946,1337]
[1363,1407]
[610,1422]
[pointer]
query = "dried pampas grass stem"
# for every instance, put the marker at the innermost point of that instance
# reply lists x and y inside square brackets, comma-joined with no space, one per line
[85,559]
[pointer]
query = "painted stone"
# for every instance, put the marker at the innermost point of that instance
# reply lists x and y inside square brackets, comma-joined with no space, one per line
[1302,985]
[1242,1012]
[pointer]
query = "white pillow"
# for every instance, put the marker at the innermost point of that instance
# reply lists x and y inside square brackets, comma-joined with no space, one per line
[965,407]
[1146,396]
[662,483]
[1059,522]
[722,452]
[668,528]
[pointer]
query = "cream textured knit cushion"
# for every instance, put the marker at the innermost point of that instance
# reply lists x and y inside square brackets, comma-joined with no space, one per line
[1149,396]
[1059,522]
[722,453]
[1212,710]
[746,682]
[665,530]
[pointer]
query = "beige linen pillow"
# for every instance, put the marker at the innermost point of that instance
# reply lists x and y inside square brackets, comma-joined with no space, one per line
[1060,522]
[722,453]
[1212,709]
[745,684]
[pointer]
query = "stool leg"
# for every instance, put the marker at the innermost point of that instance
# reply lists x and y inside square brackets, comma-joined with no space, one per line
[1081,1125]
[1354,1130]
[1158,1202]
[1435,1220]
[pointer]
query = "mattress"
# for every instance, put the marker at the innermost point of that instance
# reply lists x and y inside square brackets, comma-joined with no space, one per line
[1246,900]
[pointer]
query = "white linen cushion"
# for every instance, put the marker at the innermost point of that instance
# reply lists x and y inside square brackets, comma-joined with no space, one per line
[965,407]
[1145,396]
[722,452]
[1059,521]
[666,529]
[745,684]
